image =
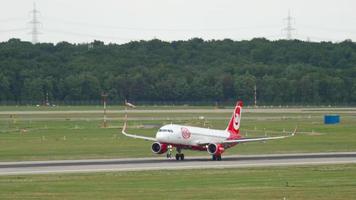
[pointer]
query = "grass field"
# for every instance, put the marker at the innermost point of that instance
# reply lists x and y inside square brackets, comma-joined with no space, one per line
[308,182]
[67,135]
[93,107]
[58,133]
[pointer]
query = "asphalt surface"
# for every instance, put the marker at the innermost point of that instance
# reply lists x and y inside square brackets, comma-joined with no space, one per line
[138,164]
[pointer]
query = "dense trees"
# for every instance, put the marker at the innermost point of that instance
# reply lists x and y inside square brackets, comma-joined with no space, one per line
[285,72]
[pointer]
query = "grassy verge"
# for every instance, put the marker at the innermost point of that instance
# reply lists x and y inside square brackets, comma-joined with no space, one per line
[79,136]
[308,182]
[97,107]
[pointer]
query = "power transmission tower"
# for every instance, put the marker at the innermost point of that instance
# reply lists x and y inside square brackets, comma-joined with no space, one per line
[289,29]
[35,24]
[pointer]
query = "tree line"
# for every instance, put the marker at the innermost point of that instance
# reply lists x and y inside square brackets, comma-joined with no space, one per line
[284,72]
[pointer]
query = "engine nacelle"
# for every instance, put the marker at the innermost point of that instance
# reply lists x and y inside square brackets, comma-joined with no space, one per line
[215,149]
[159,148]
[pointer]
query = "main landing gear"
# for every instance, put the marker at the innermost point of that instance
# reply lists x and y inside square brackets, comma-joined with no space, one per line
[216,157]
[179,155]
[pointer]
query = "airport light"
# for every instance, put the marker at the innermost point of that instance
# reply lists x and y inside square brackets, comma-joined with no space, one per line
[104,97]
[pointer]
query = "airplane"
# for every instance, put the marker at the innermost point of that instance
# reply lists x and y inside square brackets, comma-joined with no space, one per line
[215,142]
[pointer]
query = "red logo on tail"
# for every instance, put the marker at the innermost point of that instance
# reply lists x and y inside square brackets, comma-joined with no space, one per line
[234,124]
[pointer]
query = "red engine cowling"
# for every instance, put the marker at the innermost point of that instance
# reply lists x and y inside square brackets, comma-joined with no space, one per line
[159,148]
[215,149]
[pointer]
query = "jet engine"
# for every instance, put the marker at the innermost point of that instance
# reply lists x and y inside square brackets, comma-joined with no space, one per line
[159,148]
[215,149]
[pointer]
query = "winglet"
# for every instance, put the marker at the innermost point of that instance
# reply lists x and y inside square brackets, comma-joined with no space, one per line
[134,136]
[295,131]
[124,126]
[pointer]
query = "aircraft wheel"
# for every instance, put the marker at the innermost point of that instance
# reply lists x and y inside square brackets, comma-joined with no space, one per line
[181,156]
[213,157]
[218,157]
[177,156]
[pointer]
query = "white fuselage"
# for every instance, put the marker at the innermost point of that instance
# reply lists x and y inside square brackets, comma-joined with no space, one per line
[190,136]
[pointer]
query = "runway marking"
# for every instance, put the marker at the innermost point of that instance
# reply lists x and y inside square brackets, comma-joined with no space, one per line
[144,164]
[177,167]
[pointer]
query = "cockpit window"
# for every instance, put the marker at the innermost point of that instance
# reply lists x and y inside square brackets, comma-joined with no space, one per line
[165,130]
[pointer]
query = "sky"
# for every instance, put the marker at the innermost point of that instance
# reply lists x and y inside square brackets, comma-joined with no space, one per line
[121,21]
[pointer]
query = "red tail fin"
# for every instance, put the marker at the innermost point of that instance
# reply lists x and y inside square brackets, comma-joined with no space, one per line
[234,124]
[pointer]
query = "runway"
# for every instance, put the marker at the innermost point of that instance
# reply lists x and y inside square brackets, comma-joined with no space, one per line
[138,164]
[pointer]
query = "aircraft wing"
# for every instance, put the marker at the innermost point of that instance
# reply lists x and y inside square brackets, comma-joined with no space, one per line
[242,140]
[136,136]
[257,139]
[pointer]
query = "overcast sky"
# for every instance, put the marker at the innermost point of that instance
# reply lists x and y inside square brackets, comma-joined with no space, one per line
[120,21]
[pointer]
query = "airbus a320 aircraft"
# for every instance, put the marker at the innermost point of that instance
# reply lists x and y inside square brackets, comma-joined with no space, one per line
[215,142]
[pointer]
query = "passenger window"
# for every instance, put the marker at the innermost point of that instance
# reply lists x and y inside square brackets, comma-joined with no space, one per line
[165,130]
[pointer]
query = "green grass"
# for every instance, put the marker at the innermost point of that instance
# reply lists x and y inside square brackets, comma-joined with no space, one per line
[95,107]
[78,136]
[304,182]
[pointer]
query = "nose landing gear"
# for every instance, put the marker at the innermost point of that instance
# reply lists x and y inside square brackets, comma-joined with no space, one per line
[216,157]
